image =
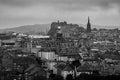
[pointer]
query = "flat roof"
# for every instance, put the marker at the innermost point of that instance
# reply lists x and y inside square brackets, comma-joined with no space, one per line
[38,36]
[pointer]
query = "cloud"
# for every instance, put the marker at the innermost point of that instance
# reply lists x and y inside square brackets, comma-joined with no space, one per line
[64,4]
[19,12]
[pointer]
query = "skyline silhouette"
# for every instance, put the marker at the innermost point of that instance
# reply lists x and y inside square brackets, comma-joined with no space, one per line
[16,13]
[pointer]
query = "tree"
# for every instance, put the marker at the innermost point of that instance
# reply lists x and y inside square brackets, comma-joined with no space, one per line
[69,77]
[58,77]
[76,63]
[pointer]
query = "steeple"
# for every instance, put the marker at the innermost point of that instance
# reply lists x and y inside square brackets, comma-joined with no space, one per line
[88,25]
[88,20]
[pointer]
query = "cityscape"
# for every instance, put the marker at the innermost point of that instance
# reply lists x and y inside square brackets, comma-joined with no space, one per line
[67,51]
[59,39]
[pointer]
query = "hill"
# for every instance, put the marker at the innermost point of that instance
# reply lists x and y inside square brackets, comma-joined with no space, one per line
[31,29]
[44,28]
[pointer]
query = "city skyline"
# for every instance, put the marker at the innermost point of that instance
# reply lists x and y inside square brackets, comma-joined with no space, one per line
[16,13]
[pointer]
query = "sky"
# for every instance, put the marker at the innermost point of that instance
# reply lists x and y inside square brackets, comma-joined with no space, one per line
[14,13]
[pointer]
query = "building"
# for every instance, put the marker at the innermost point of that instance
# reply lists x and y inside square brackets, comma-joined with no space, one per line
[88,26]
[46,55]
[67,30]
[8,43]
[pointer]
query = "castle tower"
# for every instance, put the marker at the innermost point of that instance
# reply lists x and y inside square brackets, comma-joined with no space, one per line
[59,33]
[88,26]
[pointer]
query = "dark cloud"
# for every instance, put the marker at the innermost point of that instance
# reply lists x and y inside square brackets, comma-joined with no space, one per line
[63,4]
[32,11]
[16,3]
[89,4]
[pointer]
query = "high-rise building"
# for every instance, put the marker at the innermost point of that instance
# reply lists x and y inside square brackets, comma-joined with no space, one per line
[88,26]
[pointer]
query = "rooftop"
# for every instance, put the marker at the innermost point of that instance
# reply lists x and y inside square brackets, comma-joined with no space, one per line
[38,36]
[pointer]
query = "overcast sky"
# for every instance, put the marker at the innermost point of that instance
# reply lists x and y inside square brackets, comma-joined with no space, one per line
[14,13]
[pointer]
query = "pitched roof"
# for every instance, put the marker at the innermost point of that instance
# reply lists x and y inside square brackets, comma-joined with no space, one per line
[112,56]
[37,70]
[30,67]
[68,68]
[64,67]
[84,69]
[60,66]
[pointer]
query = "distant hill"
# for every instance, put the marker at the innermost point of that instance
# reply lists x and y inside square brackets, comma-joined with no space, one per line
[31,29]
[44,28]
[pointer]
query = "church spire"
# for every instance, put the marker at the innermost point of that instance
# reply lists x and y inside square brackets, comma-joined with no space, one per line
[88,25]
[88,20]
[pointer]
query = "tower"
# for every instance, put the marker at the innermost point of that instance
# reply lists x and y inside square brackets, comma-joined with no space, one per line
[88,26]
[59,35]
